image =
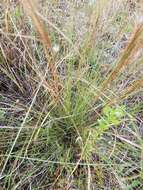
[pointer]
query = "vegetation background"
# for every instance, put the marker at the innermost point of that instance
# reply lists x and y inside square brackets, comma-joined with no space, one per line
[71,95]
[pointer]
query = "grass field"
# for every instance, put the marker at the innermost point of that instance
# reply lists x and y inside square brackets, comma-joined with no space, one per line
[71,95]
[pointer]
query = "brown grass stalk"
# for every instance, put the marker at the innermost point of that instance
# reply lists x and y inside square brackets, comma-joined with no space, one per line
[126,59]
[31,9]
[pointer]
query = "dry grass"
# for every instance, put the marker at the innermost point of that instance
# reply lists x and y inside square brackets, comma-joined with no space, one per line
[71,96]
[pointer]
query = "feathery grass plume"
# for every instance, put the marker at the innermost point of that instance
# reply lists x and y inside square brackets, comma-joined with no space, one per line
[31,9]
[134,44]
[95,24]
[96,20]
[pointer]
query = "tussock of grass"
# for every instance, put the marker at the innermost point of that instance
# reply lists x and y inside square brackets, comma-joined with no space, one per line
[70,100]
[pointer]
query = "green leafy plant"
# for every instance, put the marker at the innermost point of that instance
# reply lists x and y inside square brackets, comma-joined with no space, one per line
[112,116]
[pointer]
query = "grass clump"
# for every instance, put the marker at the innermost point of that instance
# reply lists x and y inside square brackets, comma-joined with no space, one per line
[70,107]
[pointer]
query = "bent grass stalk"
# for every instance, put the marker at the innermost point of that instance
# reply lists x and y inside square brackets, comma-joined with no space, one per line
[31,9]
[125,59]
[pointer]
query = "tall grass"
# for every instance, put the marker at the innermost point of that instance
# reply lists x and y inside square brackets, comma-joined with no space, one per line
[70,116]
